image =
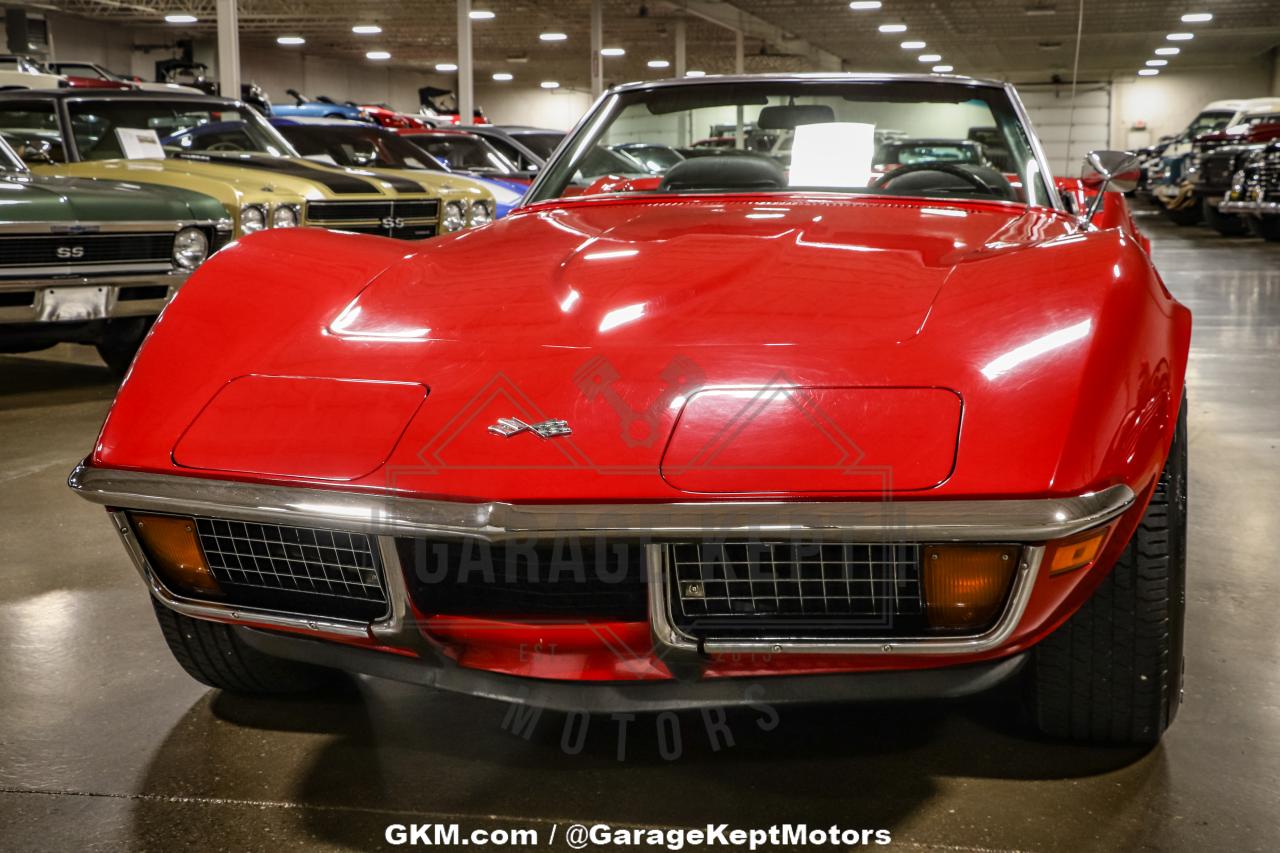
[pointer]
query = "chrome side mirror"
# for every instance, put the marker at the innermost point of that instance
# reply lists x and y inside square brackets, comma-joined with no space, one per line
[1108,171]
[38,151]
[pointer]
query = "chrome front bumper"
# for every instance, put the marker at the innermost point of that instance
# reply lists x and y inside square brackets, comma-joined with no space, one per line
[44,300]
[1266,208]
[1031,522]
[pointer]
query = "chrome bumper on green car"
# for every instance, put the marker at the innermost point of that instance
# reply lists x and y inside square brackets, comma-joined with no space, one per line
[84,298]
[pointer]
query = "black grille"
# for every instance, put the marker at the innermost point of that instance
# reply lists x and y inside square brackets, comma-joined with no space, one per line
[1217,169]
[31,250]
[295,569]
[1269,173]
[354,211]
[403,232]
[794,589]
[568,579]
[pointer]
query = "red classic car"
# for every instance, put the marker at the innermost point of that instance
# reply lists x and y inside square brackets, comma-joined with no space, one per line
[730,434]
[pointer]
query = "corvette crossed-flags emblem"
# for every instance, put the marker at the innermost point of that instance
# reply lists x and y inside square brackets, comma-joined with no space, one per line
[507,427]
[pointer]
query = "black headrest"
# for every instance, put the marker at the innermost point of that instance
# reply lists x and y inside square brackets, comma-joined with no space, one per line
[724,173]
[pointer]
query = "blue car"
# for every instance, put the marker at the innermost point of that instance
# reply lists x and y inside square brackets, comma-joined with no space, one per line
[365,146]
[320,107]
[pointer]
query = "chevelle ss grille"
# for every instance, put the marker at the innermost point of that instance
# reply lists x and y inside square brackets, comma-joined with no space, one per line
[296,569]
[1217,169]
[794,589]
[60,250]
[404,220]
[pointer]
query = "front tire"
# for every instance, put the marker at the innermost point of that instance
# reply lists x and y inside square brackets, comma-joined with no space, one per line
[212,654]
[1226,224]
[1266,227]
[1112,673]
[121,340]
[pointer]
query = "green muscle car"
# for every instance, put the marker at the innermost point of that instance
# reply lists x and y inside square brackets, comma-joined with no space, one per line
[93,261]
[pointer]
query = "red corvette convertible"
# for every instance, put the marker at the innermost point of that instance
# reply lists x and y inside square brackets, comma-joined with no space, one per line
[741,432]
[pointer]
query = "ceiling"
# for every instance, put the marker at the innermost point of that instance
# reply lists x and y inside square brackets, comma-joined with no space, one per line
[1019,39]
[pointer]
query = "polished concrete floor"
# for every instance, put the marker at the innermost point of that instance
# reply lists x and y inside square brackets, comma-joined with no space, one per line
[105,744]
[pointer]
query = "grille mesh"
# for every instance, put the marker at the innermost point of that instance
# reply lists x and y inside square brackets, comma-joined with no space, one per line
[299,569]
[42,249]
[789,589]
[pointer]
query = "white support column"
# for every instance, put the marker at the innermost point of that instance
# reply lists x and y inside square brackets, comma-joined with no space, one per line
[466,72]
[681,53]
[597,43]
[228,48]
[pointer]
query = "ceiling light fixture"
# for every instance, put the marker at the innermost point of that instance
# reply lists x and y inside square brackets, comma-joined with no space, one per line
[929,57]
[694,73]
[912,45]
[553,36]
[1180,36]
[366,29]
[612,51]
[893,28]
[446,66]
[180,19]
[549,84]
[865,5]
[658,63]
[378,54]
[1148,72]
[503,77]
[290,40]
[1157,63]
[943,69]
[1168,51]
[481,15]
[1197,18]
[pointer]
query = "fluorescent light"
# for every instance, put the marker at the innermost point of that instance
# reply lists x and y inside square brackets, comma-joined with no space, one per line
[912,45]
[1157,63]
[446,66]
[928,57]
[612,51]
[502,76]
[481,15]
[943,69]
[893,28]
[553,36]
[181,19]
[549,84]
[865,5]
[1180,36]
[1168,51]
[378,54]
[658,63]
[291,40]
[1197,18]
[366,29]
[1148,72]
[695,73]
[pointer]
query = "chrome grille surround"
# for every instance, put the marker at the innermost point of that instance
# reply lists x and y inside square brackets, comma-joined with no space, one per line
[310,570]
[413,219]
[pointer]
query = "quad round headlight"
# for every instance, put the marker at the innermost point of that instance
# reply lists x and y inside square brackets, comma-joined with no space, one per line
[479,214]
[190,248]
[454,217]
[253,217]
[284,216]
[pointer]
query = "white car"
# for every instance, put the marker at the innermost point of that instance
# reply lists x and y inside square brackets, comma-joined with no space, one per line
[92,69]
[18,72]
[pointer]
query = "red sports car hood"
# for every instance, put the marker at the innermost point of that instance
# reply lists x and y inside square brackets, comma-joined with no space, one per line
[738,273]
[796,346]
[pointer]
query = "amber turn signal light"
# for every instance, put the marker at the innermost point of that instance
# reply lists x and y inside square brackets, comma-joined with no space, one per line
[174,552]
[1075,553]
[966,585]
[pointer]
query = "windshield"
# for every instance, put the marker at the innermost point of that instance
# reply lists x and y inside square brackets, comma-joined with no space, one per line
[540,143]
[363,147]
[182,127]
[462,152]
[888,137]
[9,161]
[1209,122]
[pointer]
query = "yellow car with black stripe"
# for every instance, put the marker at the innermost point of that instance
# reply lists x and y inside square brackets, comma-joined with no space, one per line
[225,149]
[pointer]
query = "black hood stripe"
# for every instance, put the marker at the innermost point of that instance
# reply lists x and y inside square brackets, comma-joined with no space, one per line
[339,183]
[403,185]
